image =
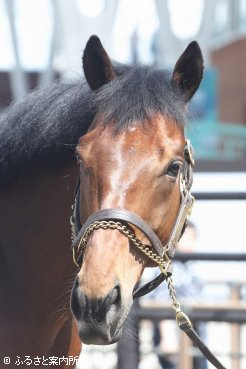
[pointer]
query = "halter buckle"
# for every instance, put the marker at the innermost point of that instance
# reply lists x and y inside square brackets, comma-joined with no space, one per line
[189,153]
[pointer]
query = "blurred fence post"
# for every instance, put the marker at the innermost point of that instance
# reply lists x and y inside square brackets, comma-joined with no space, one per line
[128,347]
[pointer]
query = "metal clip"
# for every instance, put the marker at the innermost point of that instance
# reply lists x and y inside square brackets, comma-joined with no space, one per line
[190,206]
[189,152]
[74,258]
[182,318]
[164,269]
[182,187]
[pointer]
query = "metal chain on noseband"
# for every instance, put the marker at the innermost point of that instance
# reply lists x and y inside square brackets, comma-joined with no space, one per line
[162,262]
[72,223]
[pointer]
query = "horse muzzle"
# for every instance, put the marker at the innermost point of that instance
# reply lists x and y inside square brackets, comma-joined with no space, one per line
[99,320]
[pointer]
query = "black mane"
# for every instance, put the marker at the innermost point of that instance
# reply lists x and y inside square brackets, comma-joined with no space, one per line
[40,131]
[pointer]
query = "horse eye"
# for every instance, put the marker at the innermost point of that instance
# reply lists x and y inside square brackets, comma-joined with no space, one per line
[173,169]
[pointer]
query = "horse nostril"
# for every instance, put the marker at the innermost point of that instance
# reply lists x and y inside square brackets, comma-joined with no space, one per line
[115,304]
[116,296]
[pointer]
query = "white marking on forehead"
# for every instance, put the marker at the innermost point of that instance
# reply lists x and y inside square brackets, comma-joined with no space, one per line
[132,129]
[118,187]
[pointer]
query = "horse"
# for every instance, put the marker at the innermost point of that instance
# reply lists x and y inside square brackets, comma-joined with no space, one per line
[121,132]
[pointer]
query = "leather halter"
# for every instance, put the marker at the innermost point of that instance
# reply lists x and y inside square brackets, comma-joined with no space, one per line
[162,252]
[125,216]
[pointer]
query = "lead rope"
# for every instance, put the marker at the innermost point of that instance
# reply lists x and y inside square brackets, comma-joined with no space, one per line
[185,325]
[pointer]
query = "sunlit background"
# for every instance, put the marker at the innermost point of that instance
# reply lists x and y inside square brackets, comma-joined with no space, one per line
[43,40]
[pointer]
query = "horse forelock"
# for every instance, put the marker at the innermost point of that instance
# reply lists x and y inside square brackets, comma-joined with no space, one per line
[139,94]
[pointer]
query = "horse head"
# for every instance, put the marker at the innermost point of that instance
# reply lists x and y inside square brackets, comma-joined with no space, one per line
[131,158]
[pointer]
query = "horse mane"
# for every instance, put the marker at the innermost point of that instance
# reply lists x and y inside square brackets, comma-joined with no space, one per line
[41,131]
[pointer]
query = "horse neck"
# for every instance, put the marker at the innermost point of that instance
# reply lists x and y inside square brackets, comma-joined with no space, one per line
[35,234]
[36,268]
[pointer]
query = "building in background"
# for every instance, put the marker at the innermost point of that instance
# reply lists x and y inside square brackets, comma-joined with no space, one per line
[43,41]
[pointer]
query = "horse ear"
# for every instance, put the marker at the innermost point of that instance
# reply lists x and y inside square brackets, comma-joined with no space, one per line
[97,65]
[188,70]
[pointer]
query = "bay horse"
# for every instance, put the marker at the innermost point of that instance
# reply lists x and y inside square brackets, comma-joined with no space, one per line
[124,127]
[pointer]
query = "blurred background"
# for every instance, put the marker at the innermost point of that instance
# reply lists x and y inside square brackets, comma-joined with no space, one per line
[42,41]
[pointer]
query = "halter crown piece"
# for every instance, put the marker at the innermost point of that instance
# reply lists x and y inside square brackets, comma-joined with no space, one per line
[161,255]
